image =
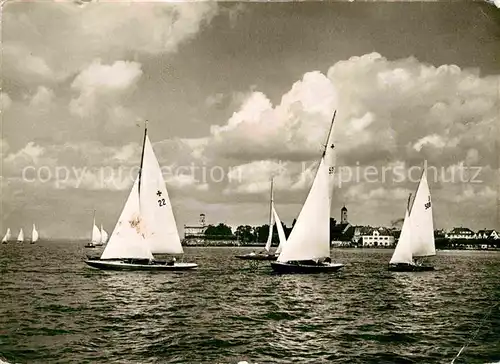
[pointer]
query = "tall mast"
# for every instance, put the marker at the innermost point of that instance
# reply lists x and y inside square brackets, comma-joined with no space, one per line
[142,156]
[271,204]
[329,132]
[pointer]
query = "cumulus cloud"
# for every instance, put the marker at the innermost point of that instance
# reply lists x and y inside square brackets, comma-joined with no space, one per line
[5,101]
[386,109]
[42,99]
[295,129]
[104,84]
[33,50]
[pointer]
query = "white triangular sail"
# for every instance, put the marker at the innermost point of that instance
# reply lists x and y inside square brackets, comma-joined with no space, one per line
[34,235]
[403,251]
[104,236]
[7,236]
[310,236]
[422,226]
[271,222]
[281,233]
[160,227]
[96,234]
[20,237]
[128,237]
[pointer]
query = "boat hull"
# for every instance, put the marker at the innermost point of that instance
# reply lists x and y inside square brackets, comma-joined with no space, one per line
[401,267]
[257,257]
[155,266]
[297,268]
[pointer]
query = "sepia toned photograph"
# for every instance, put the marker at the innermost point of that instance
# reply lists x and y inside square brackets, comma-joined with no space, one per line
[250,182]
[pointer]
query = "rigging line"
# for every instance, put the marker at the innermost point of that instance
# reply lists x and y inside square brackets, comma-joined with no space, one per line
[475,334]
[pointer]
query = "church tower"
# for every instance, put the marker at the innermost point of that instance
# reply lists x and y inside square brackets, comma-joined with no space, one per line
[343,215]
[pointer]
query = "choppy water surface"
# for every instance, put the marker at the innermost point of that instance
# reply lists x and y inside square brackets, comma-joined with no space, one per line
[54,309]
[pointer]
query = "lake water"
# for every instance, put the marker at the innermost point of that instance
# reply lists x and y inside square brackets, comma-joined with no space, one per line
[55,309]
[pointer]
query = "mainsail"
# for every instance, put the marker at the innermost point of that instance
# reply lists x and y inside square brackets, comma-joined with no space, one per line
[20,237]
[422,227]
[271,222]
[104,236]
[34,235]
[310,236]
[7,236]
[155,207]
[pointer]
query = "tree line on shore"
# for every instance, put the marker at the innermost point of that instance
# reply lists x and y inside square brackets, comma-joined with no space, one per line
[249,235]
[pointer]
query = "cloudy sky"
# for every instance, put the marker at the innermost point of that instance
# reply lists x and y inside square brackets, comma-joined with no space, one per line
[237,92]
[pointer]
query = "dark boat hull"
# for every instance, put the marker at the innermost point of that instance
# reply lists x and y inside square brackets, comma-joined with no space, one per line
[297,268]
[409,268]
[257,257]
[139,266]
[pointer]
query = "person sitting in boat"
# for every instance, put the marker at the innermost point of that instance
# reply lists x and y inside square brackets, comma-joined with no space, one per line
[327,260]
[172,262]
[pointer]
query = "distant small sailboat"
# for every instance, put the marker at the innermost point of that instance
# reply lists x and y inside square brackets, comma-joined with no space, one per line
[417,234]
[20,237]
[6,237]
[104,236]
[307,249]
[95,239]
[146,225]
[34,235]
[273,217]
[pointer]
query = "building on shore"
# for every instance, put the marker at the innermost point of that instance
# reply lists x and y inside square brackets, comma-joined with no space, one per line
[460,233]
[487,234]
[369,237]
[341,234]
[196,231]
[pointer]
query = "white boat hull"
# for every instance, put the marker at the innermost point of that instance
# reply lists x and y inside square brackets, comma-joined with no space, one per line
[154,266]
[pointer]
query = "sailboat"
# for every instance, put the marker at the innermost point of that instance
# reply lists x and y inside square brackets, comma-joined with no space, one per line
[267,255]
[34,235]
[96,236]
[307,249]
[146,225]
[417,234]
[20,237]
[104,236]
[6,237]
